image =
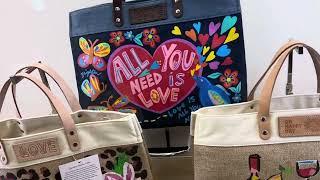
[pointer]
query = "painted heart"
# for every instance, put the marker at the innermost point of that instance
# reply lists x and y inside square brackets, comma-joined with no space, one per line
[228,22]
[202,59]
[223,51]
[160,90]
[205,50]
[197,27]
[211,56]
[192,35]
[213,28]
[214,65]
[203,39]
[228,61]
[232,35]
[199,49]
[217,41]
[176,31]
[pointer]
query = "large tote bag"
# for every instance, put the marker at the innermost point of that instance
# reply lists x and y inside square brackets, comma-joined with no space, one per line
[34,148]
[161,59]
[269,138]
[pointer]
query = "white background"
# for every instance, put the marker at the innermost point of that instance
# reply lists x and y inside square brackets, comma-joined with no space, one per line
[33,30]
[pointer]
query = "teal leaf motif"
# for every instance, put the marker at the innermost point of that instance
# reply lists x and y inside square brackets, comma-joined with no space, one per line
[214,75]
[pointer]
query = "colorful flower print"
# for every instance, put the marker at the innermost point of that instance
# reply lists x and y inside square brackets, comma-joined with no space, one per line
[230,78]
[128,174]
[151,37]
[116,38]
[129,35]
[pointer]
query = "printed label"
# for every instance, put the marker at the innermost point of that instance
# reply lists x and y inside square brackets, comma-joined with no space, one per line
[36,149]
[299,126]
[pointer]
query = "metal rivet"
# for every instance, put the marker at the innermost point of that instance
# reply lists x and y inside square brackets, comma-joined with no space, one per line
[79,115]
[265,132]
[71,133]
[75,144]
[3,158]
[118,20]
[252,107]
[263,119]
[178,11]
[117,8]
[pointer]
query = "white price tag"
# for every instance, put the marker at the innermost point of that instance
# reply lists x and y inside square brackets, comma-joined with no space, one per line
[82,169]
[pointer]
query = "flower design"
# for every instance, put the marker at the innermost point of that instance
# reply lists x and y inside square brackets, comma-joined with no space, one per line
[116,38]
[229,78]
[151,37]
[129,35]
[128,174]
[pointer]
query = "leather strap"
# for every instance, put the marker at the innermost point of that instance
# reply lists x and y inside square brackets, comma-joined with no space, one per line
[118,11]
[64,113]
[66,90]
[265,97]
[277,55]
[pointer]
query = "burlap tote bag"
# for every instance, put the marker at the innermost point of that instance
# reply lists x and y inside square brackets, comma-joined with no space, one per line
[268,138]
[33,148]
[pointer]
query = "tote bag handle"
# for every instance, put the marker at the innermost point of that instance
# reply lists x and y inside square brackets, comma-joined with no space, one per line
[66,90]
[277,55]
[118,10]
[266,93]
[64,113]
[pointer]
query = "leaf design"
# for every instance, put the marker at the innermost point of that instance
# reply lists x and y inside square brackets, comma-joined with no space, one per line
[214,75]
[121,160]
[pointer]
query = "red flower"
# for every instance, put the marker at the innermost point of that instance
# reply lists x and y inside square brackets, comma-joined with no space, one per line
[150,37]
[230,78]
[116,38]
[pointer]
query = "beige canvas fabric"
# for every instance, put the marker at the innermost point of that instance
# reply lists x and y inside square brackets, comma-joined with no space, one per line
[32,148]
[244,141]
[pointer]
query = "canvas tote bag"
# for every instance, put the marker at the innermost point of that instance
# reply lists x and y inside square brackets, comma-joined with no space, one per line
[269,138]
[115,137]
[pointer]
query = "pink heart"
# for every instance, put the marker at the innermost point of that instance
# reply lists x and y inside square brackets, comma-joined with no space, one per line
[214,65]
[228,61]
[163,88]
[203,39]
[213,28]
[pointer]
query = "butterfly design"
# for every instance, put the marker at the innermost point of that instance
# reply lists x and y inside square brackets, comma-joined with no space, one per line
[93,54]
[119,105]
[137,39]
[92,87]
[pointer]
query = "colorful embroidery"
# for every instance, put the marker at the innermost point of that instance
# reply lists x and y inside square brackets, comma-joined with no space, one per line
[151,37]
[93,54]
[137,39]
[92,87]
[116,38]
[307,168]
[229,78]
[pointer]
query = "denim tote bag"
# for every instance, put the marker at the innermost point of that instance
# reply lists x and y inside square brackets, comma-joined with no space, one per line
[159,59]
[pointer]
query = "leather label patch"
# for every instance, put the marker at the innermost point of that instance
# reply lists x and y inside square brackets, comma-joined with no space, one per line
[36,149]
[297,126]
[148,14]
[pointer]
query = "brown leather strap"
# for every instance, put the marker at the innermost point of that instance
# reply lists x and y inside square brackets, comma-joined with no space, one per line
[64,113]
[277,55]
[66,90]
[265,98]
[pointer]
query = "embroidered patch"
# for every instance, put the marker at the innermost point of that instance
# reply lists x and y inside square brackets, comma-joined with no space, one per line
[36,149]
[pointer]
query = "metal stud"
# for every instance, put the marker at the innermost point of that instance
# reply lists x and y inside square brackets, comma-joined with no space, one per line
[263,119]
[117,8]
[118,20]
[3,158]
[265,132]
[178,11]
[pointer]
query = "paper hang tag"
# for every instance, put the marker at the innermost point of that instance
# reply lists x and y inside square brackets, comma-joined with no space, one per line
[82,169]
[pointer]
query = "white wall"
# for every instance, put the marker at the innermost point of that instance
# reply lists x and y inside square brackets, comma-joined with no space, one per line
[33,30]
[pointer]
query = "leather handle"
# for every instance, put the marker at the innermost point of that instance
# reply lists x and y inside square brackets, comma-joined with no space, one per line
[277,55]
[266,93]
[118,11]
[66,90]
[64,114]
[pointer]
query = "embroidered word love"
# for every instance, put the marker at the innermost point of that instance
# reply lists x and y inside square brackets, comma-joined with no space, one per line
[156,83]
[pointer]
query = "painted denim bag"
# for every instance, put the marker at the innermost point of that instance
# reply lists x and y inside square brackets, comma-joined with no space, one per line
[160,59]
